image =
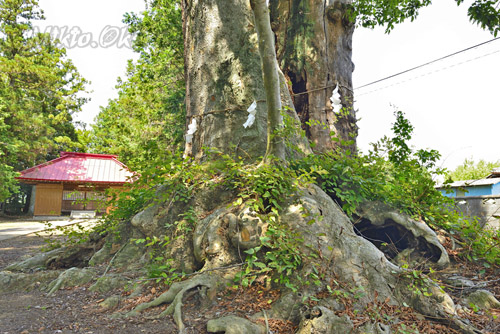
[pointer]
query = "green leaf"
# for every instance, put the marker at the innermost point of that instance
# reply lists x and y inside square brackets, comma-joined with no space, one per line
[260,265]
[250,251]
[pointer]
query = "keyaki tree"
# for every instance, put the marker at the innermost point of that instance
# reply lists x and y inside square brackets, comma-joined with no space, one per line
[313,44]
[221,218]
[39,93]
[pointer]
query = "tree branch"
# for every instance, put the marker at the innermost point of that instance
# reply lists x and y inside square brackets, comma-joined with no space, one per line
[275,144]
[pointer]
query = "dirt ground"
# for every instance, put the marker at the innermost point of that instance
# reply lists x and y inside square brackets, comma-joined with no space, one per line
[77,310]
[73,310]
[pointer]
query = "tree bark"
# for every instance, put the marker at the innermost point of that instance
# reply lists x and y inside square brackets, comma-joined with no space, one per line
[224,74]
[314,43]
[223,77]
[275,143]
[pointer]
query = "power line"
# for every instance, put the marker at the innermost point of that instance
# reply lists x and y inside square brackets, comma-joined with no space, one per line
[429,73]
[428,63]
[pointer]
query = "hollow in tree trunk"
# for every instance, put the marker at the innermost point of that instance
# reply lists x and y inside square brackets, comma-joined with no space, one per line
[224,77]
[314,48]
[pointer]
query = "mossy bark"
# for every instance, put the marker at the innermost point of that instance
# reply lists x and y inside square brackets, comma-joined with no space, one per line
[314,47]
[275,143]
[224,74]
[223,77]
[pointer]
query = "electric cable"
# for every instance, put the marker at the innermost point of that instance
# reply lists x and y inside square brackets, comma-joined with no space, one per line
[428,63]
[428,73]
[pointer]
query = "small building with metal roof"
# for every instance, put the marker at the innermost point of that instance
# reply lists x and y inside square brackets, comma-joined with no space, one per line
[74,182]
[479,199]
[482,187]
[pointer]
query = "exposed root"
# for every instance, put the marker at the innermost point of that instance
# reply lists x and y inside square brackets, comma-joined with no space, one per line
[10,282]
[322,320]
[113,259]
[71,277]
[234,325]
[66,257]
[175,294]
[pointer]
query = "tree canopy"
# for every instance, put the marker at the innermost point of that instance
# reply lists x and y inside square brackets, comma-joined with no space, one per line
[471,170]
[146,121]
[388,13]
[39,93]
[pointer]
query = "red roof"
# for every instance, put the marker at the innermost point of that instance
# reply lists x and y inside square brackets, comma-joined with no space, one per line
[81,168]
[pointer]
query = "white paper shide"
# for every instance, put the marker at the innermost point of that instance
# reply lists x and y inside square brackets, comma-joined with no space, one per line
[252,110]
[191,130]
[335,99]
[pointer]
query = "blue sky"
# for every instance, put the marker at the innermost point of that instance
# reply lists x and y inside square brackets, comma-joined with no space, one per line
[453,104]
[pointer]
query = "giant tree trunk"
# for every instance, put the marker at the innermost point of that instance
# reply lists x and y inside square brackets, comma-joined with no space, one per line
[223,78]
[325,268]
[314,41]
[224,73]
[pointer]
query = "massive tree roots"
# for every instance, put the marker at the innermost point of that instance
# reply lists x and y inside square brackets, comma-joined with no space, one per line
[324,265]
[205,284]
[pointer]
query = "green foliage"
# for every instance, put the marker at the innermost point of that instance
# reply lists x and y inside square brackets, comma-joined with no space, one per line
[7,181]
[186,225]
[340,176]
[341,291]
[163,269]
[388,13]
[146,122]
[478,244]
[474,307]
[402,130]
[282,256]
[173,181]
[262,187]
[470,170]
[486,14]
[160,268]
[291,133]
[67,235]
[418,281]
[284,253]
[395,173]
[39,90]
[391,172]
